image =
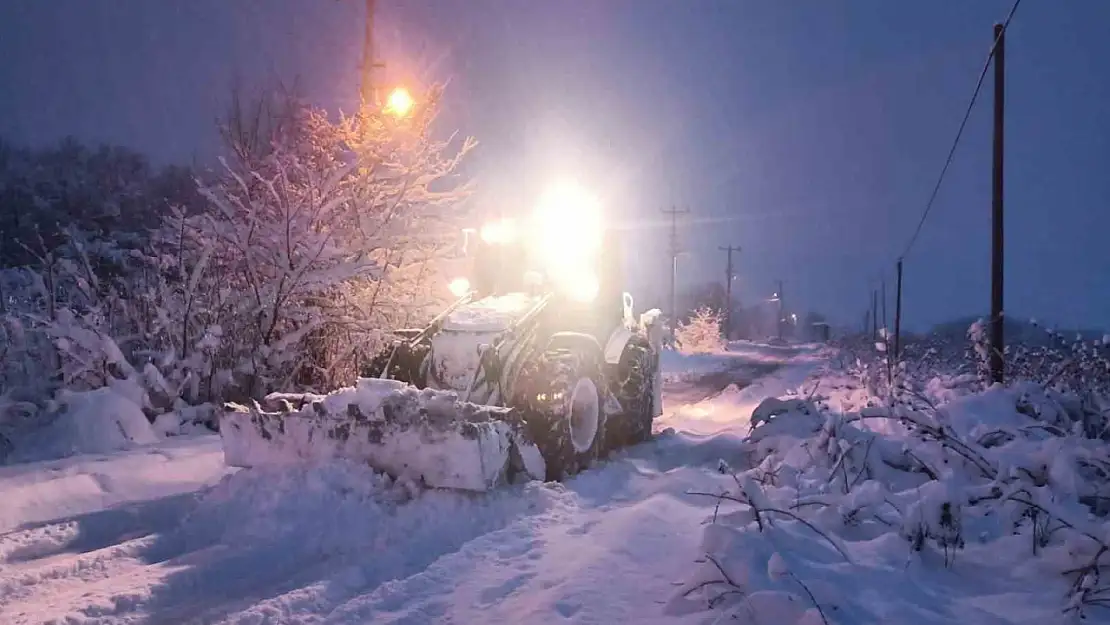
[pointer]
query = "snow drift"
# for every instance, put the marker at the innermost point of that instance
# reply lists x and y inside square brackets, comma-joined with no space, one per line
[994,501]
[99,421]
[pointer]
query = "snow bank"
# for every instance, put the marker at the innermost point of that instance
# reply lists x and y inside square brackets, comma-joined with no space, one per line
[986,509]
[423,435]
[104,420]
[41,491]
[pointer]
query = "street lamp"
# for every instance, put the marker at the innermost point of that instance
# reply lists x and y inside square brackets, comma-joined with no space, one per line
[400,102]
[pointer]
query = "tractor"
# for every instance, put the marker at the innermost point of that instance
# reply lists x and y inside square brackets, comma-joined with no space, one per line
[541,341]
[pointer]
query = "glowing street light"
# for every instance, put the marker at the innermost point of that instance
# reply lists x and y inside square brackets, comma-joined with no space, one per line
[400,102]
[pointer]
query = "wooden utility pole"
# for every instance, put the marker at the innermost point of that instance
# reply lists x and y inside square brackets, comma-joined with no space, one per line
[898,312]
[997,364]
[674,213]
[874,315]
[728,290]
[367,91]
[884,326]
[782,310]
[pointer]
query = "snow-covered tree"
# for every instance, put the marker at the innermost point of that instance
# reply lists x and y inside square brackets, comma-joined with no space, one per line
[325,240]
[702,332]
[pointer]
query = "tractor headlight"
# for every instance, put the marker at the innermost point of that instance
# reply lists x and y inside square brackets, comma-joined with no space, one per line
[499,232]
[568,227]
[580,285]
[459,287]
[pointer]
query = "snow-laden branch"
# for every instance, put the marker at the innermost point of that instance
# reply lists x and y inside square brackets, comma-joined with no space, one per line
[1004,481]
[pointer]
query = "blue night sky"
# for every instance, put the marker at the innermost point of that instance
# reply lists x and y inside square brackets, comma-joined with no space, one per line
[808,132]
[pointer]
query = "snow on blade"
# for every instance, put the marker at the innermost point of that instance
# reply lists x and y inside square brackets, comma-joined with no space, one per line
[423,435]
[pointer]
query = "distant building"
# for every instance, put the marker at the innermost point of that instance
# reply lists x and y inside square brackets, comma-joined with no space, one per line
[821,331]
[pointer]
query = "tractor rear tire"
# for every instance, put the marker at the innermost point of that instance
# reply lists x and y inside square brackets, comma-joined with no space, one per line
[561,395]
[634,387]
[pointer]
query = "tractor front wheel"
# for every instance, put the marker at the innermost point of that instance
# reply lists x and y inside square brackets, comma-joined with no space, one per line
[562,400]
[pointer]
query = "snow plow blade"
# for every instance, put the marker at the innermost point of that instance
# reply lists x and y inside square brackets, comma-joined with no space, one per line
[427,436]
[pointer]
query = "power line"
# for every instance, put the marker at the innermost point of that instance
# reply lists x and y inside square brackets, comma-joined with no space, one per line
[996,50]
[960,132]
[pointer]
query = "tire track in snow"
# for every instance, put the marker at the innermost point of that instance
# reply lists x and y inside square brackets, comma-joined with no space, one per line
[259,546]
[602,557]
[404,561]
[92,564]
[56,585]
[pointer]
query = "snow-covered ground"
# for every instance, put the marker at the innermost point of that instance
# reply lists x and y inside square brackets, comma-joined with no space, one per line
[715,393]
[165,533]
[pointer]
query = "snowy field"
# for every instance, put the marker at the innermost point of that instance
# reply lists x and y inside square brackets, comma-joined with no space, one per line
[164,533]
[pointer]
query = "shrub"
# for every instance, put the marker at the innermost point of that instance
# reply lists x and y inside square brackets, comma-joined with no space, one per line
[702,333]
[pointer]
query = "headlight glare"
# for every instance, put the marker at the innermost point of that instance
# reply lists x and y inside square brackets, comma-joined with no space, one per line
[499,232]
[568,227]
[459,287]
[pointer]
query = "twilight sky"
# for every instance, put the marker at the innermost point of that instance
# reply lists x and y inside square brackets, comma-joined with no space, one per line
[808,132]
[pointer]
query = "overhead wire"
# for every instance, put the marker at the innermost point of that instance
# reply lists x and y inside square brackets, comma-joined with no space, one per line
[959,133]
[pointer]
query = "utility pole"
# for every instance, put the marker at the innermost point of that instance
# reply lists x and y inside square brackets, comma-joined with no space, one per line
[997,365]
[728,290]
[884,326]
[369,95]
[886,339]
[674,213]
[898,312]
[874,315]
[781,309]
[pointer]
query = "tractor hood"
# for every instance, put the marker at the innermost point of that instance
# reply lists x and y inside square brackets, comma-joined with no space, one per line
[490,314]
[455,357]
